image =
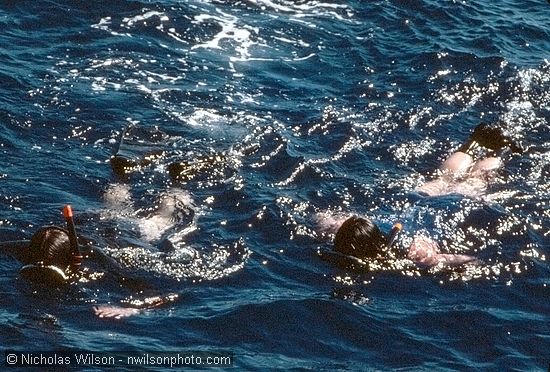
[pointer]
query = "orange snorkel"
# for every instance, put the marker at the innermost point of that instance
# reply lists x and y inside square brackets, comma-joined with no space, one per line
[393,233]
[77,258]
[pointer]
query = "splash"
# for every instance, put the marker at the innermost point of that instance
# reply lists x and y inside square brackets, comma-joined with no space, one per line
[186,263]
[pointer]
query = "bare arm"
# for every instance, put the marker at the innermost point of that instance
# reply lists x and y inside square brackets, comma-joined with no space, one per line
[424,250]
[329,223]
[134,306]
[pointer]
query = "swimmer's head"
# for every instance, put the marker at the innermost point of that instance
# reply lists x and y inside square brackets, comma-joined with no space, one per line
[361,238]
[53,253]
[50,258]
[51,246]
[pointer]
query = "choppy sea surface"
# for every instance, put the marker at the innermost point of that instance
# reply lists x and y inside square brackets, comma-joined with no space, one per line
[280,112]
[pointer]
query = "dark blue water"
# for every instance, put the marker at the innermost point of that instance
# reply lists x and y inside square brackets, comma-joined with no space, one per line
[314,108]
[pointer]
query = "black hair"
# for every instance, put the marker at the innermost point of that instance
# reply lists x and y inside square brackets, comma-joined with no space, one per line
[359,237]
[51,246]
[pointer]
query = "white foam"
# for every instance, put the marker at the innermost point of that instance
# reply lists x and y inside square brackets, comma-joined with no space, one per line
[202,117]
[307,9]
[229,31]
[103,24]
[130,21]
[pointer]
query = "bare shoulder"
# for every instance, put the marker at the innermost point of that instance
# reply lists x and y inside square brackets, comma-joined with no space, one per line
[329,223]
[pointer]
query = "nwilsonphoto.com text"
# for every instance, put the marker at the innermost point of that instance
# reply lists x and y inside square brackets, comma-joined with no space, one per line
[114,359]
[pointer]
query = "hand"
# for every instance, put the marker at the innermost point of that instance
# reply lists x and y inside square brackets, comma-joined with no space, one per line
[117,312]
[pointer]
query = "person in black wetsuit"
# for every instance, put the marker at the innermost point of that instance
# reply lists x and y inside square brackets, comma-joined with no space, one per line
[53,258]
[49,256]
[124,162]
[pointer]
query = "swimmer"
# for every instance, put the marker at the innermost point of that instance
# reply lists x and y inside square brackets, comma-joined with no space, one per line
[125,163]
[174,210]
[460,174]
[179,171]
[358,239]
[53,258]
[52,253]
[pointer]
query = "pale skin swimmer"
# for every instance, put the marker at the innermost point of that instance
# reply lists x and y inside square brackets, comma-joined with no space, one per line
[361,239]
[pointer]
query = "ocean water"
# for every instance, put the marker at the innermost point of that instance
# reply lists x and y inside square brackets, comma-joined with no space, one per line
[284,111]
